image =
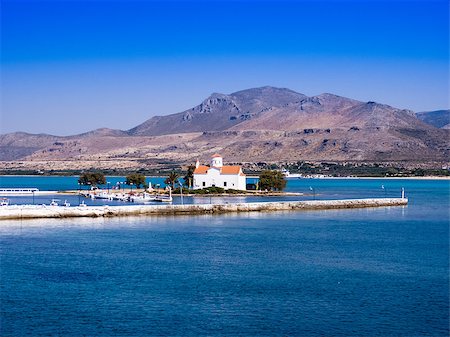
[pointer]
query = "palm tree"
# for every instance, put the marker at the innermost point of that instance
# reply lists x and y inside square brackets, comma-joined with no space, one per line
[189,177]
[172,179]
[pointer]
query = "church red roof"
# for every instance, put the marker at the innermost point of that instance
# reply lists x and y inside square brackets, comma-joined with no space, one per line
[201,169]
[230,170]
[226,169]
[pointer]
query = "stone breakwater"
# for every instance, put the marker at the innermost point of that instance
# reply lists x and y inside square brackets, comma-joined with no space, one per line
[42,211]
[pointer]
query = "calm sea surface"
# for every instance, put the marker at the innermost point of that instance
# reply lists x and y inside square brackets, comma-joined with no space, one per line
[362,272]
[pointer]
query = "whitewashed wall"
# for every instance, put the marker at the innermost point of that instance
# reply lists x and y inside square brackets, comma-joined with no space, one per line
[214,178]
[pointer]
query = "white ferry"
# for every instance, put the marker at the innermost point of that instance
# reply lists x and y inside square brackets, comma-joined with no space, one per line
[18,191]
[288,174]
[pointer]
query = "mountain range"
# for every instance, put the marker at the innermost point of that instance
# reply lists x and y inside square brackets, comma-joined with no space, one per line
[260,124]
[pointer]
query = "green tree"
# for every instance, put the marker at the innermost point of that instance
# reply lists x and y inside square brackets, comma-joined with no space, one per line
[172,179]
[136,179]
[189,177]
[92,178]
[272,180]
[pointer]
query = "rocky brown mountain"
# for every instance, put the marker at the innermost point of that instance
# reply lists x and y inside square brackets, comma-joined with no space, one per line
[17,145]
[219,112]
[260,124]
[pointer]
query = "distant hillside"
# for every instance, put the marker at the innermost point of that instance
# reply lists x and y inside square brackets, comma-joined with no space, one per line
[14,146]
[438,118]
[260,124]
[102,132]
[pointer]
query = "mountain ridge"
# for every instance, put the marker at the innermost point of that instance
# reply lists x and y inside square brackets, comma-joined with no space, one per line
[238,106]
[257,124]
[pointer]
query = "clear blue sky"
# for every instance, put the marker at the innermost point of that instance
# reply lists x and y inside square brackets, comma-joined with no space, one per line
[72,66]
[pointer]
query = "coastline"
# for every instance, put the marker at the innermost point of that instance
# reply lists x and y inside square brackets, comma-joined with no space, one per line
[251,177]
[383,178]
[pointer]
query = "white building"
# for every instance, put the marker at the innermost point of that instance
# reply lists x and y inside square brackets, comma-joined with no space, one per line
[217,174]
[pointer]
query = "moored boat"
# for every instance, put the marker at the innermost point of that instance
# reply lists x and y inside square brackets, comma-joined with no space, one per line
[146,197]
[54,202]
[164,198]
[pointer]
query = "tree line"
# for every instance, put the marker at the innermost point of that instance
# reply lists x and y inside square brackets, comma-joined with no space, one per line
[98,178]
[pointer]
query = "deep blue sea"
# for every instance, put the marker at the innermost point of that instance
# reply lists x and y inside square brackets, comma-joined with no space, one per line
[356,272]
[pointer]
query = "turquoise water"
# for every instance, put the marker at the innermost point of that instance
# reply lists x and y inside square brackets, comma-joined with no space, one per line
[59,183]
[309,188]
[361,272]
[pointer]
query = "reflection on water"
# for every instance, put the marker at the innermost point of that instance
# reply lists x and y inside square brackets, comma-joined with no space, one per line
[15,227]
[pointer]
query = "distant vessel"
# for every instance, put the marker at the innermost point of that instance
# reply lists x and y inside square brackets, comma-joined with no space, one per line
[15,191]
[288,174]
[4,202]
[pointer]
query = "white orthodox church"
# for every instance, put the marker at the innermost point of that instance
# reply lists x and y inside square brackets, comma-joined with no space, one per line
[217,174]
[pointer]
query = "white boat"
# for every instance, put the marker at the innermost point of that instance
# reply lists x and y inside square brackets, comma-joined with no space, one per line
[288,174]
[54,202]
[164,198]
[143,198]
[102,195]
[83,204]
[18,191]
[4,202]
[120,197]
[294,175]
[66,204]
